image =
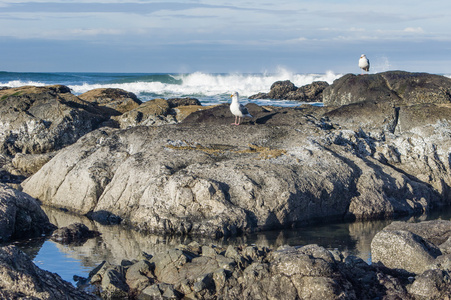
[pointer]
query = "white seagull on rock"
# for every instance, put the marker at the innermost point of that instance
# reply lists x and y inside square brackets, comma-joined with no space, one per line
[237,109]
[364,63]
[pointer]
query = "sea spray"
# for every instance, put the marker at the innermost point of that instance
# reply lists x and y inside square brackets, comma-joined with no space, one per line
[207,87]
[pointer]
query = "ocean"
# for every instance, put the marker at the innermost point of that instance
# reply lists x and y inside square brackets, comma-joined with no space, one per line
[207,87]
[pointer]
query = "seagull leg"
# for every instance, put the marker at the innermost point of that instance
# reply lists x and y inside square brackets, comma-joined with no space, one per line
[235,121]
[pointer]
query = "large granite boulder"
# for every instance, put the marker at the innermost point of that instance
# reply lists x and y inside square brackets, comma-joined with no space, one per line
[396,87]
[219,180]
[21,279]
[43,119]
[21,216]
[118,100]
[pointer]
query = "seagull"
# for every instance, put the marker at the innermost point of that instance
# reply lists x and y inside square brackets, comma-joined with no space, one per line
[237,109]
[364,63]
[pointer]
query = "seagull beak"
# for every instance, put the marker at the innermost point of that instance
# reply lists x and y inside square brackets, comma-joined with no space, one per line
[231,96]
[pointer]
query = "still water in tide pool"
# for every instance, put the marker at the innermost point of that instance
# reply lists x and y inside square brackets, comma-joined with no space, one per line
[117,243]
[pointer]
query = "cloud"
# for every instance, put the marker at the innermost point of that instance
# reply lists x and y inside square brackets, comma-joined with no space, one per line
[414,30]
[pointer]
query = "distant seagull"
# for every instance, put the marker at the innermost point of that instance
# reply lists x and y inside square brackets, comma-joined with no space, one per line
[364,63]
[237,109]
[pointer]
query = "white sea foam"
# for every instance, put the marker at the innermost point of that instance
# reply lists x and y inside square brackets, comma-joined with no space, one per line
[19,83]
[210,85]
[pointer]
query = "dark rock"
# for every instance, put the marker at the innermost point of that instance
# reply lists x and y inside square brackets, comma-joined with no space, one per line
[286,90]
[176,102]
[73,234]
[21,279]
[369,116]
[399,88]
[21,216]
[260,95]
[280,88]
[308,93]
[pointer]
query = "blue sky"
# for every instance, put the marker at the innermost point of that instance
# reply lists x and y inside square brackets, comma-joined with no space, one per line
[224,35]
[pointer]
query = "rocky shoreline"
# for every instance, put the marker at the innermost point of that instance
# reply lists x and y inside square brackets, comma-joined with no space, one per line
[378,148]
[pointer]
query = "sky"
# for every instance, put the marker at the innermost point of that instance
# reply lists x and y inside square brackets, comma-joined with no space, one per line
[222,36]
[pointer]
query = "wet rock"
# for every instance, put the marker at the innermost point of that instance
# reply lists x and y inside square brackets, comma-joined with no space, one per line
[21,279]
[21,216]
[77,233]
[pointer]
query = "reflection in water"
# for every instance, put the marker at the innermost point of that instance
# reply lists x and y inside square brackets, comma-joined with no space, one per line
[117,243]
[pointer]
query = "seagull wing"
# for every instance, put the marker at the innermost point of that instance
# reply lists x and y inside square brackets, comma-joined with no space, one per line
[244,110]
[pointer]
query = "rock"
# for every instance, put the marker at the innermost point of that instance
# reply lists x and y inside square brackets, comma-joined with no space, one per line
[43,119]
[177,102]
[182,112]
[114,285]
[436,231]
[396,87]
[280,88]
[9,174]
[206,179]
[21,279]
[117,99]
[286,90]
[111,281]
[76,233]
[139,276]
[375,118]
[151,113]
[159,291]
[399,249]
[21,216]
[307,272]
[31,163]
[432,284]
[309,93]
